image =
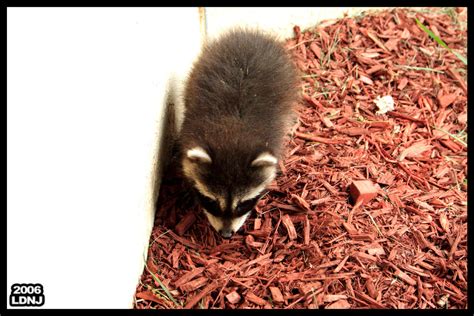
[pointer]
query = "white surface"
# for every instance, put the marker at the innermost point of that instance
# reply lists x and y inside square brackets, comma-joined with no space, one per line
[86,89]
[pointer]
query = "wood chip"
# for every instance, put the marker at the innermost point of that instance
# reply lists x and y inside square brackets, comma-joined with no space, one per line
[311,242]
[341,304]
[414,151]
[286,220]
[446,100]
[195,299]
[188,276]
[369,284]
[362,191]
[319,139]
[402,84]
[403,276]
[251,297]
[276,294]
[185,223]
[443,220]
[148,296]
[194,284]
[233,297]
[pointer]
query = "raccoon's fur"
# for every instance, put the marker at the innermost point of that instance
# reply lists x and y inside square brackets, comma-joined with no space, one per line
[238,101]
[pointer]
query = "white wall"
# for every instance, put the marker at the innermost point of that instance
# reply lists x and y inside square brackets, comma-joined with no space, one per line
[86,92]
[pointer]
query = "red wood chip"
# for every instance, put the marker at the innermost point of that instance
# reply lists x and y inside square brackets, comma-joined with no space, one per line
[341,304]
[286,220]
[185,223]
[402,84]
[443,219]
[403,276]
[255,299]
[373,303]
[276,294]
[257,224]
[362,191]
[233,297]
[414,150]
[195,299]
[148,296]
[194,284]
[315,49]
[307,231]
[392,43]
[368,210]
[188,276]
[446,100]
[369,284]
[300,202]
[366,80]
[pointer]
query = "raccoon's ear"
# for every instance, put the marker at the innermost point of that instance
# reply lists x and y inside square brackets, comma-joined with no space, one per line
[264,160]
[198,154]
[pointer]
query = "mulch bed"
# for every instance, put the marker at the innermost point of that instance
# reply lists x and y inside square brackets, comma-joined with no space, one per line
[404,242]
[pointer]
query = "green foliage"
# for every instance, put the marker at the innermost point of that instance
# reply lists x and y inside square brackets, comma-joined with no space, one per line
[440,41]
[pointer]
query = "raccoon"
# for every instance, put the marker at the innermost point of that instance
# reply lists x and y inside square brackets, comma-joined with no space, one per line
[238,106]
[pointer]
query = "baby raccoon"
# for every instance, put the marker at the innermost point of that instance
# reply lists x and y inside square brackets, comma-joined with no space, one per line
[237,110]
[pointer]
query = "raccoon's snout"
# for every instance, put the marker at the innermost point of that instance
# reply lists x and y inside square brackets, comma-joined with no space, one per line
[226,233]
[226,227]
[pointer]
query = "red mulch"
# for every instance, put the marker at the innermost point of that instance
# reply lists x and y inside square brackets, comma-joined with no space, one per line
[307,245]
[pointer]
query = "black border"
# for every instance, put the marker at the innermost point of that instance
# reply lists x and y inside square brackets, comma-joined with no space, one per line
[141,3]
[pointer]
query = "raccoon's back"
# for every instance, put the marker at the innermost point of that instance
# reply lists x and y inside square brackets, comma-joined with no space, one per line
[245,75]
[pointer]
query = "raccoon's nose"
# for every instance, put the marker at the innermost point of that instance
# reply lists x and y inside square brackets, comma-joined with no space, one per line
[226,233]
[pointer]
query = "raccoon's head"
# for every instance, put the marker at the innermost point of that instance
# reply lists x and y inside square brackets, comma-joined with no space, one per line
[228,186]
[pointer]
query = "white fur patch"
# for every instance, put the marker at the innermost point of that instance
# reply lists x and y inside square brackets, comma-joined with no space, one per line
[221,202]
[198,154]
[264,160]
[216,222]
[189,171]
[236,223]
[201,188]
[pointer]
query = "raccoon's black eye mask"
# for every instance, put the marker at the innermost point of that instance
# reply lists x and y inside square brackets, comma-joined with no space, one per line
[247,206]
[209,204]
